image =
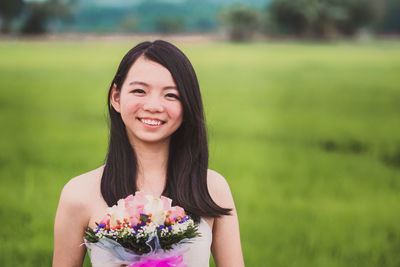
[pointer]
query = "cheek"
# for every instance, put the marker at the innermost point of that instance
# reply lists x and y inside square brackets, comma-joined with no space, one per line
[176,112]
[129,109]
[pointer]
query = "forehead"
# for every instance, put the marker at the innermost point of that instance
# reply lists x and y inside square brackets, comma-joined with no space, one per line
[150,72]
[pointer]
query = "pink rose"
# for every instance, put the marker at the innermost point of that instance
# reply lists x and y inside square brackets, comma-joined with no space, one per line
[166,202]
[134,206]
[176,212]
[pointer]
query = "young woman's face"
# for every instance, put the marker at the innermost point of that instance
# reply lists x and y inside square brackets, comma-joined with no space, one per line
[148,102]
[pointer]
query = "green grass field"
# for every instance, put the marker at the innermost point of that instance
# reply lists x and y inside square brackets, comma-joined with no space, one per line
[307,135]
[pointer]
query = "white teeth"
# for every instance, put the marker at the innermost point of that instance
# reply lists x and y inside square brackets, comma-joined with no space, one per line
[150,122]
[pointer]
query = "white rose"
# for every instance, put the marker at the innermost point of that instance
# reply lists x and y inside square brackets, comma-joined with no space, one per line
[155,206]
[117,212]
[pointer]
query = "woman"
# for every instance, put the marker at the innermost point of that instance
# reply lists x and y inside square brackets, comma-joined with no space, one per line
[158,146]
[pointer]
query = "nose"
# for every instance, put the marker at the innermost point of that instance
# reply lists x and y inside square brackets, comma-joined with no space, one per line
[153,104]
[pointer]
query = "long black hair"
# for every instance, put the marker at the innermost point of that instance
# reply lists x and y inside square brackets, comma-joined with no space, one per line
[187,164]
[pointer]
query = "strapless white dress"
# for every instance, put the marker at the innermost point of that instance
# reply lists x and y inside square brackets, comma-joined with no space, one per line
[196,255]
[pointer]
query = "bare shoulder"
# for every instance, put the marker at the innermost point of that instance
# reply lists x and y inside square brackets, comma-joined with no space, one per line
[87,178]
[216,181]
[73,213]
[80,189]
[219,189]
[225,247]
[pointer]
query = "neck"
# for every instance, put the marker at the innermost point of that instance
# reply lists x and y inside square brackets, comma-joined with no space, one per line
[152,160]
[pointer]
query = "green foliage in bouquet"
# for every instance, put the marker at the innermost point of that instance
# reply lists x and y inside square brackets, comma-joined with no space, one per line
[167,236]
[169,239]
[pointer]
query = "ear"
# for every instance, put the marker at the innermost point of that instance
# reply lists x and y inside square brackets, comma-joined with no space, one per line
[115,97]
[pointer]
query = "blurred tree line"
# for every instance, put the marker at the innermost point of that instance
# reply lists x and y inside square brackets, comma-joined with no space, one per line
[319,19]
[33,15]
[324,19]
[164,16]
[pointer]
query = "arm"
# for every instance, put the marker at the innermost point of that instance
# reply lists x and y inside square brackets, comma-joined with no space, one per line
[69,227]
[226,248]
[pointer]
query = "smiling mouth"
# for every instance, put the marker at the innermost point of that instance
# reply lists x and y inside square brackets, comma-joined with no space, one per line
[152,122]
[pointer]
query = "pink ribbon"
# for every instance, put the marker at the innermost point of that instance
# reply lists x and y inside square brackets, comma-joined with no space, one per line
[174,261]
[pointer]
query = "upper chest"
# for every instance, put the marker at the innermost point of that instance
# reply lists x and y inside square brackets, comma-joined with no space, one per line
[97,211]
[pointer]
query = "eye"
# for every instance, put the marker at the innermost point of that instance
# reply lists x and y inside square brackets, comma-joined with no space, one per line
[171,95]
[138,91]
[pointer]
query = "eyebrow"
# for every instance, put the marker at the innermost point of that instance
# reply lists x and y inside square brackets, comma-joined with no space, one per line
[147,85]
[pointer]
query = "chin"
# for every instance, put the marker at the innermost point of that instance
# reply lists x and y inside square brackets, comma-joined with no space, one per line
[152,140]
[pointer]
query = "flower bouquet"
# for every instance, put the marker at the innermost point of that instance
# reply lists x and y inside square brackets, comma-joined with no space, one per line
[141,231]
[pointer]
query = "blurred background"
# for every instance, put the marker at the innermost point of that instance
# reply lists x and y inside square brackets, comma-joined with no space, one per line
[302,106]
[240,19]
